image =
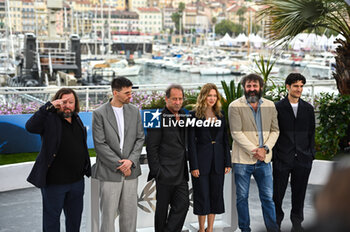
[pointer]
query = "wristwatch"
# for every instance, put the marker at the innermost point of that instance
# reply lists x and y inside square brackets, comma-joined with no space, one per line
[266,149]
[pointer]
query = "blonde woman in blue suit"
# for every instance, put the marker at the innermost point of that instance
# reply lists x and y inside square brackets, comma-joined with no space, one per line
[209,156]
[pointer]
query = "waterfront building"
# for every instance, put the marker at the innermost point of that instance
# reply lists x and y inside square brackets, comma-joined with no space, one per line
[2,16]
[40,17]
[168,23]
[189,19]
[124,23]
[117,4]
[134,4]
[28,16]
[121,5]
[15,14]
[202,23]
[150,20]
[176,3]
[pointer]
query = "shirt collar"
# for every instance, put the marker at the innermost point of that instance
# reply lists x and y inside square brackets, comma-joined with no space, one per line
[260,101]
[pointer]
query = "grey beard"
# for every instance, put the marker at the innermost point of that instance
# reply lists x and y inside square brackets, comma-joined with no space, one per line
[253,99]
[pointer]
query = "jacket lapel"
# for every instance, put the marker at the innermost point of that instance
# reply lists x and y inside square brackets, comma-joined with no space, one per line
[300,108]
[111,119]
[264,115]
[178,129]
[289,107]
[127,115]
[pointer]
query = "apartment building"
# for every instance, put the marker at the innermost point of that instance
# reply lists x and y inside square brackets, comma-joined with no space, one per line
[28,16]
[166,17]
[134,4]
[2,16]
[14,17]
[150,19]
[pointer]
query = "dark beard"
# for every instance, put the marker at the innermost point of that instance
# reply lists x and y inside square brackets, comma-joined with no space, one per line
[65,115]
[252,98]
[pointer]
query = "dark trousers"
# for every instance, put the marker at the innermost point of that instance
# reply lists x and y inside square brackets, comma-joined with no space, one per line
[299,174]
[177,197]
[68,197]
[208,194]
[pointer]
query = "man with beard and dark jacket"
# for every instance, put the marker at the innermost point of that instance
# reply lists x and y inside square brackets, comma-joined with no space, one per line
[62,162]
[167,160]
[254,129]
[294,151]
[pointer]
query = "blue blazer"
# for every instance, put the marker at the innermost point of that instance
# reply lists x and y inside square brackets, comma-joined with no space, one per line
[47,123]
[203,150]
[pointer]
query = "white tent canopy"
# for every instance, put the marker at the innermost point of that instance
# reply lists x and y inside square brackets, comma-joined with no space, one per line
[312,41]
[256,40]
[241,38]
[227,40]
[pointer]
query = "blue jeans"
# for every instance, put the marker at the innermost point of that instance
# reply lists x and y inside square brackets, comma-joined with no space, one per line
[263,176]
[68,197]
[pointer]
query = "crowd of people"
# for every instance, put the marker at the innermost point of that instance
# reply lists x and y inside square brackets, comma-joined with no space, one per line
[262,131]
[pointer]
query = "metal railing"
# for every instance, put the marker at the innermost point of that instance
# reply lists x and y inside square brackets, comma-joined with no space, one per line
[90,95]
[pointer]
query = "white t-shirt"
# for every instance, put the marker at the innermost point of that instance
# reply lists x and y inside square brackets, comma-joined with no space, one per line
[295,108]
[119,116]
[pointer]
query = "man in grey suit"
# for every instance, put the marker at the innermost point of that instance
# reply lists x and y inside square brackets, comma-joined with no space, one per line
[118,138]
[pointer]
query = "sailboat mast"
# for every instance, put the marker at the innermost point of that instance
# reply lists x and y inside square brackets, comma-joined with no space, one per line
[10,25]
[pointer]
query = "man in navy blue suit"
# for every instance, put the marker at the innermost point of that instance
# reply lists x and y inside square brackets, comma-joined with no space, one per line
[294,151]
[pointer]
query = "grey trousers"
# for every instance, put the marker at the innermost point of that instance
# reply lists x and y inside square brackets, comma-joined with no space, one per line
[118,198]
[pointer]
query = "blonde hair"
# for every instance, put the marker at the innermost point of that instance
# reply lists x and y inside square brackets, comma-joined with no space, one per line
[201,104]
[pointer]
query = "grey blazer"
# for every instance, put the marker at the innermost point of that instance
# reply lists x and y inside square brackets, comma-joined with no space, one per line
[106,141]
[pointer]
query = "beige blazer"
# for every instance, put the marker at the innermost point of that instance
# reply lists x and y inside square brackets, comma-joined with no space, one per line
[244,131]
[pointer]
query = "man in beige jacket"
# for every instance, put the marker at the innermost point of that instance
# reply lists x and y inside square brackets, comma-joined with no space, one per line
[254,129]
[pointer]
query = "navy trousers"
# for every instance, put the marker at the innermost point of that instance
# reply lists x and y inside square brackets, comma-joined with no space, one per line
[68,197]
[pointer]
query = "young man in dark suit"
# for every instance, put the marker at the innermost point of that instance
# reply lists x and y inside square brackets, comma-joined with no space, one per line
[294,151]
[167,160]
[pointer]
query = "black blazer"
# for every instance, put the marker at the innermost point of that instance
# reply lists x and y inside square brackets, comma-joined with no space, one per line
[297,135]
[47,123]
[202,151]
[167,152]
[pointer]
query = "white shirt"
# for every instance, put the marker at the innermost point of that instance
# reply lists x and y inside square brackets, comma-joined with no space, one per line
[119,116]
[295,108]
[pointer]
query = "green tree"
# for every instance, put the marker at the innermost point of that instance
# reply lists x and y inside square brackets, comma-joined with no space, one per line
[256,28]
[241,11]
[213,22]
[288,18]
[227,26]
[175,17]
[264,69]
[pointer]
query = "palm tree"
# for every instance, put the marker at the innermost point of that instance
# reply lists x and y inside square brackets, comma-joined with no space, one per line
[241,11]
[288,18]
[213,22]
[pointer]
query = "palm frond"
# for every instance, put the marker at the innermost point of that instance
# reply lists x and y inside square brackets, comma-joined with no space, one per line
[288,18]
